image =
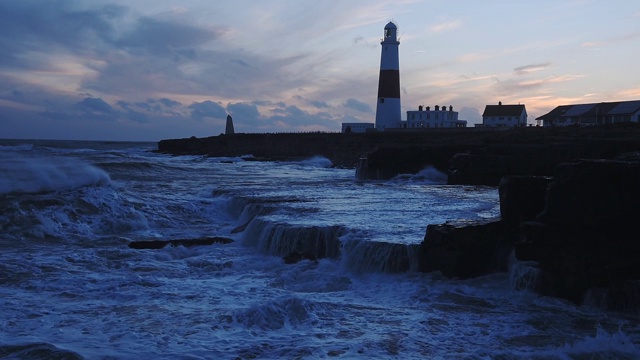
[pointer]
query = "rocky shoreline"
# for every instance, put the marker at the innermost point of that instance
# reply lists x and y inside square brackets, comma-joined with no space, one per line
[568,198]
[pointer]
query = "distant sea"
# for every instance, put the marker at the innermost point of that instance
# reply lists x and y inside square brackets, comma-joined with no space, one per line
[70,287]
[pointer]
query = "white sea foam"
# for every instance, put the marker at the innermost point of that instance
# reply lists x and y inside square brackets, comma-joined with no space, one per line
[317,161]
[427,176]
[73,282]
[18,147]
[32,175]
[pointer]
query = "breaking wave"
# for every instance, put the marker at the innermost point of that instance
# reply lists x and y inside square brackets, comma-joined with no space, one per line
[34,175]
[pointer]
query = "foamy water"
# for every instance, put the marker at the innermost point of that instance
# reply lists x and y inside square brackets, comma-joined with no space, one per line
[70,285]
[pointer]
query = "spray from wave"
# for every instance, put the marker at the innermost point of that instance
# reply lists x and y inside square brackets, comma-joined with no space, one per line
[33,175]
[427,176]
[317,161]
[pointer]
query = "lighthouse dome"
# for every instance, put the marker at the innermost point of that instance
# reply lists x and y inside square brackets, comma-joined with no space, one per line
[391,25]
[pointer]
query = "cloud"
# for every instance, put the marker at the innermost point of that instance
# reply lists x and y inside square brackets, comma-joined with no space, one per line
[293,117]
[163,37]
[445,26]
[245,112]
[525,69]
[319,104]
[201,110]
[46,28]
[358,105]
[471,115]
[142,69]
[94,105]
[169,103]
[596,45]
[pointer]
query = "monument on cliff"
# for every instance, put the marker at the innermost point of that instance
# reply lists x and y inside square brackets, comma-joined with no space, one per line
[388,113]
[228,130]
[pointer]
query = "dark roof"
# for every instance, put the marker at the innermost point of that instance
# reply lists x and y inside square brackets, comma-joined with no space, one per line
[600,109]
[593,109]
[625,108]
[555,113]
[577,110]
[503,110]
[391,25]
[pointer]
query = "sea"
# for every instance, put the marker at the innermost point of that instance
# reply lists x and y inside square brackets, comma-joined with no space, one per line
[72,288]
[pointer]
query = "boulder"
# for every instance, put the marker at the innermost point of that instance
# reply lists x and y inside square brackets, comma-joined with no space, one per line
[465,249]
[586,236]
[296,256]
[594,194]
[522,197]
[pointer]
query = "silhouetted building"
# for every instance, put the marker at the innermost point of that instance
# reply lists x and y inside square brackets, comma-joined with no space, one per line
[357,127]
[592,114]
[438,117]
[504,115]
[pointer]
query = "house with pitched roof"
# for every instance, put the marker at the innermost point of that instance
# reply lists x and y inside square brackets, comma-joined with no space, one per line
[504,115]
[592,114]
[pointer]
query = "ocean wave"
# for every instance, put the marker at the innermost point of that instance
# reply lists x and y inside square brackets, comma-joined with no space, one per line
[18,147]
[36,351]
[317,161]
[35,175]
[426,176]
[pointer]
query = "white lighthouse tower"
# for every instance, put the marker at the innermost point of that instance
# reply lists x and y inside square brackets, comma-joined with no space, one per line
[388,114]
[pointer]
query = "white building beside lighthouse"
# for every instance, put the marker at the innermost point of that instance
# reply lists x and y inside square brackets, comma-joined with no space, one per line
[388,112]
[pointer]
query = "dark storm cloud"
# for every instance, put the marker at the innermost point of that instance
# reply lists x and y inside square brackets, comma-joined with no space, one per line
[95,109]
[161,37]
[40,26]
[169,103]
[162,106]
[358,105]
[200,110]
[125,58]
[245,112]
[319,104]
[94,105]
[240,62]
[293,116]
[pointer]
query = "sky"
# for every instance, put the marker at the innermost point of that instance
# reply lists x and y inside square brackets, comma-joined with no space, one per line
[146,70]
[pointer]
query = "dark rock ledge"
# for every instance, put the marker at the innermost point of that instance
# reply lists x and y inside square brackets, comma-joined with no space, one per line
[578,226]
[159,244]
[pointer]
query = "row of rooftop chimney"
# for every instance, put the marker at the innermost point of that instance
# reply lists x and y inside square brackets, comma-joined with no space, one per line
[437,108]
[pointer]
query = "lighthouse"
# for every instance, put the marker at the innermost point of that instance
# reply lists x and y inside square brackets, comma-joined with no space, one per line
[388,114]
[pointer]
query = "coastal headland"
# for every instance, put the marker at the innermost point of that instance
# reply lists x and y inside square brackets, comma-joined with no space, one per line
[472,156]
[569,197]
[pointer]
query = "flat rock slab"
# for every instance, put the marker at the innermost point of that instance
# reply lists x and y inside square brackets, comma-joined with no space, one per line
[159,244]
